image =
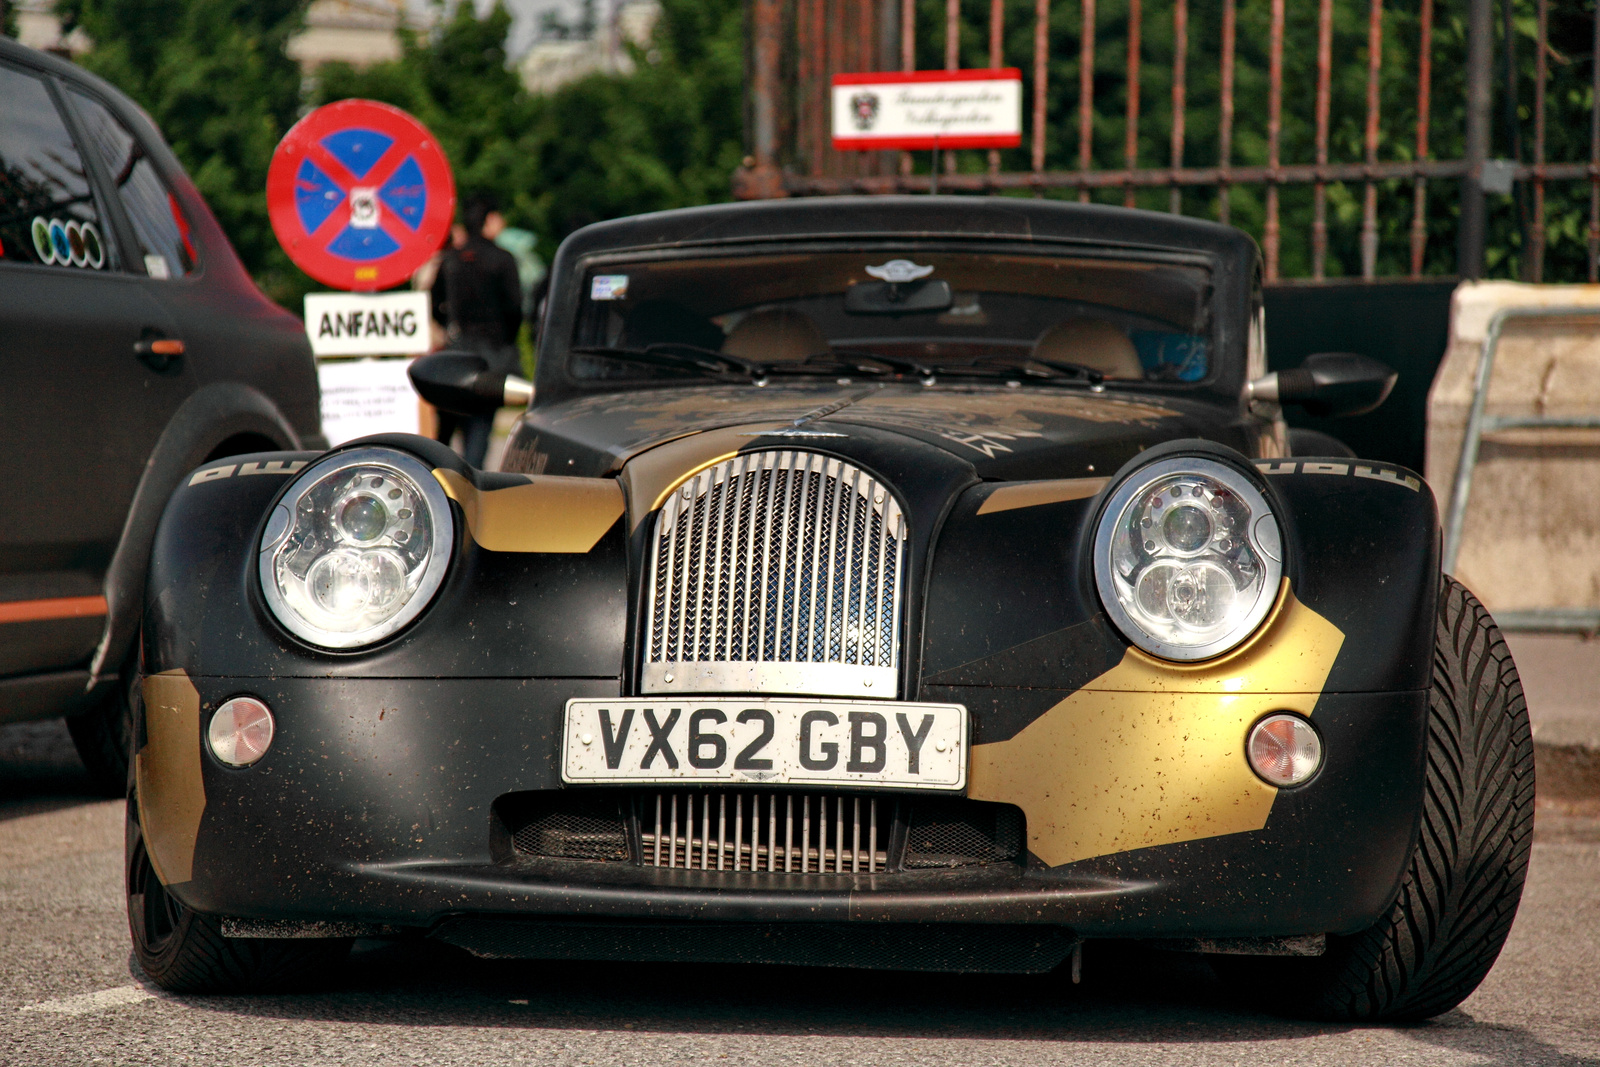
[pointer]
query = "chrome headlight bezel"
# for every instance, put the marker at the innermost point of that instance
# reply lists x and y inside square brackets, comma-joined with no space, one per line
[281,524]
[1262,531]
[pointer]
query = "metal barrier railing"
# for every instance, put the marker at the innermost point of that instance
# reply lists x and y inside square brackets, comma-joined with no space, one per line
[1478,424]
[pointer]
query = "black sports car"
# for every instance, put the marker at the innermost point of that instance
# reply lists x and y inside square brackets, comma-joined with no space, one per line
[895,582]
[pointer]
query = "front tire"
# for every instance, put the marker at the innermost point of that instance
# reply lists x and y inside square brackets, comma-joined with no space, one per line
[1464,882]
[184,951]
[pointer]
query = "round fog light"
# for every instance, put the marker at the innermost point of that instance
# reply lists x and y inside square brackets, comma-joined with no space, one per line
[241,731]
[1284,750]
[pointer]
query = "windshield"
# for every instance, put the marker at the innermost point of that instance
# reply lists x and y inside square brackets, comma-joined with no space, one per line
[930,311]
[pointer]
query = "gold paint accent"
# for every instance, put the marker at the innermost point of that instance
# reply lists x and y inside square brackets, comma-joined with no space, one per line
[661,498]
[550,514]
[1152,752]
[1033,494]
[172,793]
[652,475]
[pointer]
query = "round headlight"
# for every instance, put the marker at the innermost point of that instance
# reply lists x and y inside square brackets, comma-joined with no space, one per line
[356,548]
[1187,558]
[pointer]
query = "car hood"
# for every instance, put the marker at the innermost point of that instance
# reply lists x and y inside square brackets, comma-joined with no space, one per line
[1004,432]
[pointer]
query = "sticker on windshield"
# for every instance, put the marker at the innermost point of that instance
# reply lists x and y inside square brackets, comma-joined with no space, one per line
[608,287]
[899,271]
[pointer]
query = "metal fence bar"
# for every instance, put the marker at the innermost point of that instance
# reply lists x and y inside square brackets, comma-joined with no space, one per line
[1130,145]
[1086,95]
[1470,241]
[1270,236]
[1419,189]
[1541,73]
[1319,192]
[1594,158]
[1180,89]
[997,26]
[842,32]
[952,61]
[1230,29]
[908,57]
[1369,203]
[1041,55]
[1163,177]
[1478,423]
[813,78]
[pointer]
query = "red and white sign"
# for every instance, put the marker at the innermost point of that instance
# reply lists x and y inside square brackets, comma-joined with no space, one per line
[360,195]
[928,109]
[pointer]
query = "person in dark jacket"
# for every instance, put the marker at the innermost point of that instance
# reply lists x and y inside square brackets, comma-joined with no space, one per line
[477,298]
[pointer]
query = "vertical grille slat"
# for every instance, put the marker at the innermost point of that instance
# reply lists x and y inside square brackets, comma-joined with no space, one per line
[843,839]
[776,572]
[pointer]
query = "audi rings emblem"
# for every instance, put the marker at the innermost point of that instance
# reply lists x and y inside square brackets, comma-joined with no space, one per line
[68,244]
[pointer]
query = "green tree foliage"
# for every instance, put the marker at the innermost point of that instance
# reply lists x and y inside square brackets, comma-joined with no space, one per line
[668,134]
[214,76]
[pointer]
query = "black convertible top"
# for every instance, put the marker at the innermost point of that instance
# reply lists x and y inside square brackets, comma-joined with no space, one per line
[1235,259]
[1005,218]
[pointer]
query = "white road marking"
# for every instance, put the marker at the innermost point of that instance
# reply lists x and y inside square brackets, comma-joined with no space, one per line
[88,1003]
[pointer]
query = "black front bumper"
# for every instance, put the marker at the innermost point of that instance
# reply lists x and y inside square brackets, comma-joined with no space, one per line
[375,806]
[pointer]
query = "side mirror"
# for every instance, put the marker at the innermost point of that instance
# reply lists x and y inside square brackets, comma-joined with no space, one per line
[462,383]
[1329,383]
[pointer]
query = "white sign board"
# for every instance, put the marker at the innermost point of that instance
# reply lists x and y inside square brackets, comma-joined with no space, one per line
[368,324]
[928,109]
[366,396]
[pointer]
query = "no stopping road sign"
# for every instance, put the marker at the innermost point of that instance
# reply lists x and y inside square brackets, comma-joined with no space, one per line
[360,195]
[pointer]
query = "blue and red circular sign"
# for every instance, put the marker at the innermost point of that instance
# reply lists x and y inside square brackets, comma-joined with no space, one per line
[360,195]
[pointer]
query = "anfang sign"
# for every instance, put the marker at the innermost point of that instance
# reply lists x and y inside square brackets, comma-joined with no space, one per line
[367,324]
[928,109]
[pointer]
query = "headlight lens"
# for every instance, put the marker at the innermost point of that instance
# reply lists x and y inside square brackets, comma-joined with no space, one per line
[1187,558]
[356,548]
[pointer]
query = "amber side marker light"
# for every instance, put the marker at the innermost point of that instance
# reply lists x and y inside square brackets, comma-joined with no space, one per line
[241,731]
[1284,750]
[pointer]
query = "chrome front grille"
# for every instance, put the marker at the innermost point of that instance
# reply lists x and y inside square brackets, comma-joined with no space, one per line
[776,572]
[791,833]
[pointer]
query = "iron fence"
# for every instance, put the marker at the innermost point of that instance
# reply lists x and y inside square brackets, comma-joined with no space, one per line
[796,45]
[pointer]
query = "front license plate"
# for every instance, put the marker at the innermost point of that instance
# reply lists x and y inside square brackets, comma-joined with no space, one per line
[882,744]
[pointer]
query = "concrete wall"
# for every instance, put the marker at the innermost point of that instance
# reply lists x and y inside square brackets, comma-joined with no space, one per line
[1532,532]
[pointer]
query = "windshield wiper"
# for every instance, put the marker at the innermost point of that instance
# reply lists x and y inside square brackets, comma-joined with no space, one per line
[677,356]
[899,363]
[1034,367]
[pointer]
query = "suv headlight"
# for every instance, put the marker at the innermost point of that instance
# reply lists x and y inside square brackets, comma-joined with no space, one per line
[1187,558]
[356,547]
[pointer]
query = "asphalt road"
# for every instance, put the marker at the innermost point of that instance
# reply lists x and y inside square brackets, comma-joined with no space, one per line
[70,995]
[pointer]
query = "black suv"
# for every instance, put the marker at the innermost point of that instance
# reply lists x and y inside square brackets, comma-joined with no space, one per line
[133,347]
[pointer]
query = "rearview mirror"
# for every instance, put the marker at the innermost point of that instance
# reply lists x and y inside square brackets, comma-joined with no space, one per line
[1329,383]
[897,298]
[462,383]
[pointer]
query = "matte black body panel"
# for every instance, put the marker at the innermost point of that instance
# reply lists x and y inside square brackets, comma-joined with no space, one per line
[499,615]
[1003,433]
[1004,611]
[374,805]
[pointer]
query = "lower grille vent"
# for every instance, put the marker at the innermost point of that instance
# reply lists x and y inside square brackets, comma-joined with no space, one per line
[570,826]
[958,833]
[795,833]
[786,833]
